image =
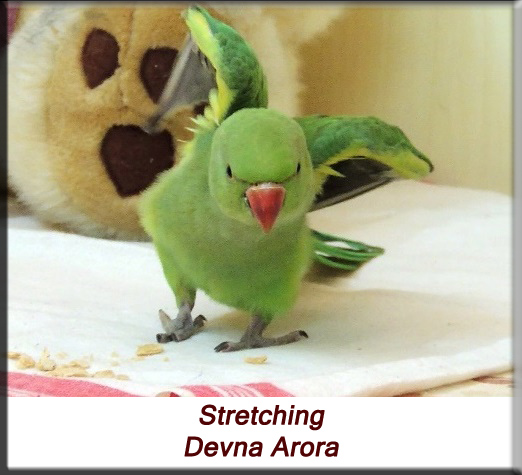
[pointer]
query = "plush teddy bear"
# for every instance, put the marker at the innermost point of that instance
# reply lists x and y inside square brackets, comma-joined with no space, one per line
[82,80]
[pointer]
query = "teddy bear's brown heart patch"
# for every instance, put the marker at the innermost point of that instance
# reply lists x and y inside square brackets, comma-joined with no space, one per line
[99,57]
[155,70]
[134,158]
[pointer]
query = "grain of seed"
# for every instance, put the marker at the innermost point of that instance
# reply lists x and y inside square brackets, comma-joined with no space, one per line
[78,364]
[45,364]
[106,373]
[255,359]
[25,362]
[64,371]
[149,349]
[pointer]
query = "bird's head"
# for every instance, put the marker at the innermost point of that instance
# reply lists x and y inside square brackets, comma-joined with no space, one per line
[260,169]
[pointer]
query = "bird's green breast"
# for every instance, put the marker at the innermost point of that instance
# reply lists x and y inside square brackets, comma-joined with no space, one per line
[232,262]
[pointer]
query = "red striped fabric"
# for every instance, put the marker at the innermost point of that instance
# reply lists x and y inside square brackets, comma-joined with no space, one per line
[16,384]
[246,390]
[31,385]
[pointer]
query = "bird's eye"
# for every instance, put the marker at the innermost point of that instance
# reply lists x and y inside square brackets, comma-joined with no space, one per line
[229,171]
[298,168]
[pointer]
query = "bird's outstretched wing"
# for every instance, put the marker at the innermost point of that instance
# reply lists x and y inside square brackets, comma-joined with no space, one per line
[215,64]
[352,155]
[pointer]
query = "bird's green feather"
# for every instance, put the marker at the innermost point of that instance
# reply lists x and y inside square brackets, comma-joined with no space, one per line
[341,253]
[337,138]
[241,82]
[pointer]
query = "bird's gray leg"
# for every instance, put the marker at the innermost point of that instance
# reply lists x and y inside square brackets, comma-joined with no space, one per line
[253,338]
[182,327]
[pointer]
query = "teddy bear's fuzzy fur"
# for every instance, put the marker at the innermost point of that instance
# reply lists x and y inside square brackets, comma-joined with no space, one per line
[56,123]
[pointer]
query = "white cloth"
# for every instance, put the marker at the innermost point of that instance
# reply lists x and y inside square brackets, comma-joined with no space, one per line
[434,309]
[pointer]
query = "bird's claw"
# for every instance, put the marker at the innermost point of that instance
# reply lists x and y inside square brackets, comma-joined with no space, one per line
[199,321]
[222,347]
[260,342]
[179,329]
[163,337]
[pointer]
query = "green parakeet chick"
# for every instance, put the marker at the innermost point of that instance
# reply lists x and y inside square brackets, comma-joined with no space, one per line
[230,219]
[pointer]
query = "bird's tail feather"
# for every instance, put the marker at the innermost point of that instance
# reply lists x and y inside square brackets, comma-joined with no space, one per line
[340,253]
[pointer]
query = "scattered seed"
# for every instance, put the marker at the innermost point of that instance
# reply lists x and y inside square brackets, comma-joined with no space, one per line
[255,359]
[13,355]
[150,349]
[106,373]
[45,364]
[122,377]
[25,362]
[64,371]
[78,364]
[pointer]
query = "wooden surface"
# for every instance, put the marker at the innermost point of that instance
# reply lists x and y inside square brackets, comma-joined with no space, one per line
[441,73]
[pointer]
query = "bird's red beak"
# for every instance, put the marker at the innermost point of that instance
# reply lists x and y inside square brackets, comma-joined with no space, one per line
[266,200]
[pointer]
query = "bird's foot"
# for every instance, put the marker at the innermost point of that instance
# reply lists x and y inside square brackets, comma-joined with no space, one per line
[182,327]
[258,341]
